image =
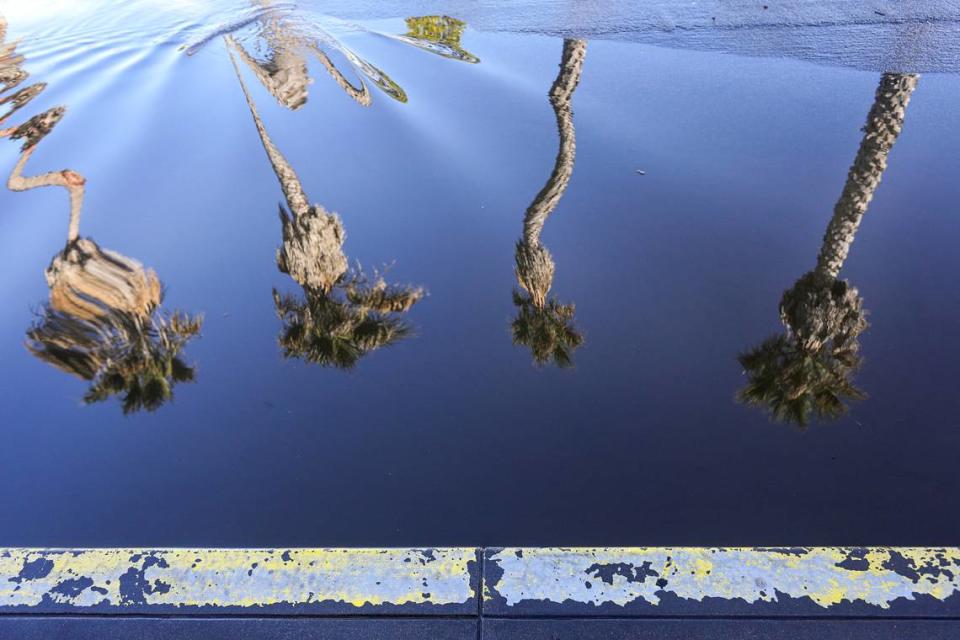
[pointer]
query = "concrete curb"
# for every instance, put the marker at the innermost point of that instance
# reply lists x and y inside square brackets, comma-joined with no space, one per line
[723,581]
[818,582]
[263,581]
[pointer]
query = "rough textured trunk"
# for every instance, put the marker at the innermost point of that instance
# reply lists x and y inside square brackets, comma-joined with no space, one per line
[311,251]
[285,75]
[823,313]
[89,282]
[884,123]
[19,99]
[534,265]
[360,95]
[289,181]
[312,237]
[10,72]
[31,132]
[561,93]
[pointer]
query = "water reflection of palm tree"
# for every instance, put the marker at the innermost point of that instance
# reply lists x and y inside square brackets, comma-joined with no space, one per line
[102,321]
[284,71]
[542,323]
[438,34]
[343,314]
[807,372]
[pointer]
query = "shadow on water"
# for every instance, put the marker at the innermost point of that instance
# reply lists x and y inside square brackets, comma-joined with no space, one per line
[807,372]
[103,320]
[544,324]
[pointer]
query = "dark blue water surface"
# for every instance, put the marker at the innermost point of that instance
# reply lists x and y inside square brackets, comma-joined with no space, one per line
[701,189]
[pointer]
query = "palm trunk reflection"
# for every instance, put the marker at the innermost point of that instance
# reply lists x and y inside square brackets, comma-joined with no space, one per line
[544,324]
[284,70]
[343,315]
[807,372]
[102,321]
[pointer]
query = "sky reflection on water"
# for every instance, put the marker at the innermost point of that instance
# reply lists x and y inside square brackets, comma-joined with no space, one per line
[680,194]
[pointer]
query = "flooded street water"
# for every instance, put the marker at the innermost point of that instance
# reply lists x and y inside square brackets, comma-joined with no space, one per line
[289,274]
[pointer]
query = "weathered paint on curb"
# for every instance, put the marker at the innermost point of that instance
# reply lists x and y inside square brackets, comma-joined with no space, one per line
[614,578]
[817,581]
[317,580]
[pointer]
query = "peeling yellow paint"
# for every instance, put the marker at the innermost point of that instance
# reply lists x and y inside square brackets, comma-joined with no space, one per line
[355,578]
[826,575]
[702,568]
[242,577]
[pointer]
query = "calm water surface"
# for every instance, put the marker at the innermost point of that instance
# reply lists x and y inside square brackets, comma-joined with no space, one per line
[547,311]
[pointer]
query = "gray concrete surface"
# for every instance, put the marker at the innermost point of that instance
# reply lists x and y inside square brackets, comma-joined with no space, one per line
[719,630]
[123,628]
[76,628]
[872,35]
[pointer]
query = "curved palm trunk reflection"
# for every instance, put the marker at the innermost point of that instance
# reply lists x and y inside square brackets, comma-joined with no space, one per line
[807,372]
[102,322]
[284,73]
[543,324]
[343,315]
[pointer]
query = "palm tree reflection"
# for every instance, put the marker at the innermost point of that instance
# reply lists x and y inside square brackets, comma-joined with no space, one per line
[102,321]
[103,324]
[343,314]
[807,371]
[438,34]
[543,324]
[284,71]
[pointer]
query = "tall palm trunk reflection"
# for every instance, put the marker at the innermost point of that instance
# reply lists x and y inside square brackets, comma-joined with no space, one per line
[543,324]
[807,372]
[284,71]
[343,315]
[102,322]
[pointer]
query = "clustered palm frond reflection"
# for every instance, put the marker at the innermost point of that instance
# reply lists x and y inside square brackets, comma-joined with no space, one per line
[338,327]
[103,321]
[543,324]
[104,324]
[807,373]
[546,329]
